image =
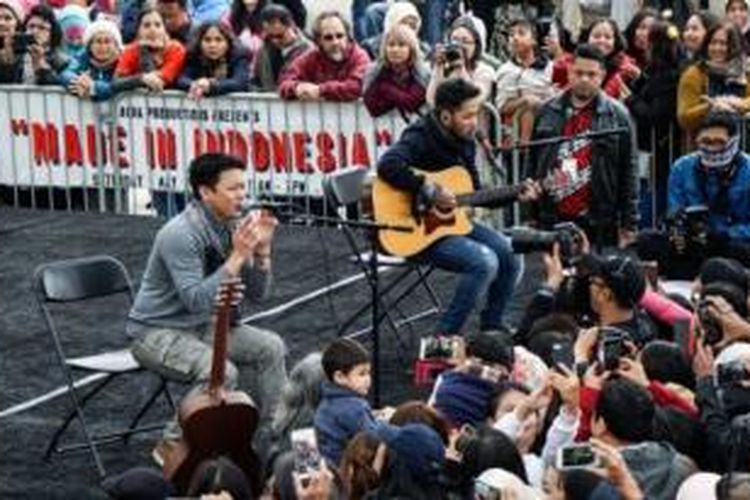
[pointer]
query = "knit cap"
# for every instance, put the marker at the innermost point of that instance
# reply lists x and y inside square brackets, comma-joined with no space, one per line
[103,26]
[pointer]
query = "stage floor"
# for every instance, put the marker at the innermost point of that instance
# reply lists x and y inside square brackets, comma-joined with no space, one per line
[306,260]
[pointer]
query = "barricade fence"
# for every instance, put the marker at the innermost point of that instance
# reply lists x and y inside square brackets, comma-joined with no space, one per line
[130,155]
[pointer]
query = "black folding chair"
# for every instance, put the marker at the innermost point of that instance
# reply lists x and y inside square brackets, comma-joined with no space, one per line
[76,281]
[344,192]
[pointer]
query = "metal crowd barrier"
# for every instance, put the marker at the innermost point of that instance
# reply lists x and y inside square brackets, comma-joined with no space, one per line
[130,155]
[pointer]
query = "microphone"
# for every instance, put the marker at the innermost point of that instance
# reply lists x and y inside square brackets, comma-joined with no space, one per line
[249,204]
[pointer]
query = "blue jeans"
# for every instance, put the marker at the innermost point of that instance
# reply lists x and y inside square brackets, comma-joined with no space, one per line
[486,262]
[367,18]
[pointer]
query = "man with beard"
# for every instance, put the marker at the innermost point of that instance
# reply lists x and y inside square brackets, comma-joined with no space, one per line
[484,258]
[330,71]
[593,178]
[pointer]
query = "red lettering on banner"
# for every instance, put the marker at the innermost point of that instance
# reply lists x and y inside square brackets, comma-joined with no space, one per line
[279,152]
[44,143]
[326,160]
[360,155]
[96,146]
[261,152]
[299,142]
[161,148]
[19,126]
[120,148]
[73,150]
[237,146]
[383,137]
[343,153]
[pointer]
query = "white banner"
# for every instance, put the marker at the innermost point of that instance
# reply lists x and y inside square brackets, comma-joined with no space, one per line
[48,138]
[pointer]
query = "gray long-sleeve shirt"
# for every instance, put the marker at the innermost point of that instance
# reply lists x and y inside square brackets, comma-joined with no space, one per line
[181,280]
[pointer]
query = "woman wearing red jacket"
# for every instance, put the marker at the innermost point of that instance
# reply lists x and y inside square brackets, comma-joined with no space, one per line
[153,60]
[399,78]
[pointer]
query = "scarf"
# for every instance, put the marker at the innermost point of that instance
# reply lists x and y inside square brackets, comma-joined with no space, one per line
[720,160]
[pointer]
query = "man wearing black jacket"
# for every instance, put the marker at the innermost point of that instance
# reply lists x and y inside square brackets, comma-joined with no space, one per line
[443,139]
[593,178]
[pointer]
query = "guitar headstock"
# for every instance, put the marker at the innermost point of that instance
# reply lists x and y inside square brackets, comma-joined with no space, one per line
[230,294]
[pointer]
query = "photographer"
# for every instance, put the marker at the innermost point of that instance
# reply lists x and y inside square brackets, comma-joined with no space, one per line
[461,58]
[717,176]
[605,291]
[31,56]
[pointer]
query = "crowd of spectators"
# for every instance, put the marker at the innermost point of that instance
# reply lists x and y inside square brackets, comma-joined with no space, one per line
[657,385]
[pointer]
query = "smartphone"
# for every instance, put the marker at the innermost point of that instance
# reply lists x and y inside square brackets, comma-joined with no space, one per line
[611,348]
[484,491]
[577,456]
[562,354]
[682,337]
[307,457]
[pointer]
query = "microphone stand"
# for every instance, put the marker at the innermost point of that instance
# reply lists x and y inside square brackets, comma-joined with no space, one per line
[372,228]
[515,145]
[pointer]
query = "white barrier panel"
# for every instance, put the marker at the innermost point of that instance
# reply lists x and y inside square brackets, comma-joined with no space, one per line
[48,138]
[147,141]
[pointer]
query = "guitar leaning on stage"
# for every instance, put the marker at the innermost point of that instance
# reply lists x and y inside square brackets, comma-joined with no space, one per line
[216,421]
[396,207]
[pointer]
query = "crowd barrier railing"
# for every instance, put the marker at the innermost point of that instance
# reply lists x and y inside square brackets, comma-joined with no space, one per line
[130,155]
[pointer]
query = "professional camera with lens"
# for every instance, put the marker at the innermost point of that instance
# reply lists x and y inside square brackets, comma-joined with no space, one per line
[566,234]
[690,224]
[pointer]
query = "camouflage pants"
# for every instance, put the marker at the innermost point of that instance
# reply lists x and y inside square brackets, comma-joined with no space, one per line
[255,364]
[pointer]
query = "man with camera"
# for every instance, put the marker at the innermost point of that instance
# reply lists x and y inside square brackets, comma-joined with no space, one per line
[602,291]
[585,152]
[708,204]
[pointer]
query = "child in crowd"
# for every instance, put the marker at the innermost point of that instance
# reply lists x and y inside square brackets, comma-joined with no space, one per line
[343,409]
[90,74]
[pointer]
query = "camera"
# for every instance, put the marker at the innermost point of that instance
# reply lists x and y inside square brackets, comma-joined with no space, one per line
[690,224]
[712,333]
[728,374]
[452,52]
[439,347]
[577,456]
[566,234]
[307,458]
[21,42]
[562,354]
[611,348]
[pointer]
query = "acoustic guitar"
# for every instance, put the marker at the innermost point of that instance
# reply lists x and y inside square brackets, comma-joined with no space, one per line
[216,421]
[396,207]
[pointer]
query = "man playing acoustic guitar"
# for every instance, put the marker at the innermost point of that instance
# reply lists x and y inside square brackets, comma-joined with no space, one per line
[484,257]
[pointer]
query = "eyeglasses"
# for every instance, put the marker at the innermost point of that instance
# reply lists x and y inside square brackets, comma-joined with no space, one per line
[711,143]
[329,37]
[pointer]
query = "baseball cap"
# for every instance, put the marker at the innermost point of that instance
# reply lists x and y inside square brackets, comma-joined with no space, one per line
[417,445]
[622,274]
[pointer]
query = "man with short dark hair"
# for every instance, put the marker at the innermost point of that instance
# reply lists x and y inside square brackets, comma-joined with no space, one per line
[624,417]
[331,71]
[282,43]
[192,254]
[176,19]
[590,180]
[484,258]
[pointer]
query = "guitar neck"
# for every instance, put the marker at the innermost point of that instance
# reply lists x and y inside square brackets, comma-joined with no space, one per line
[218,362]
[488,196]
